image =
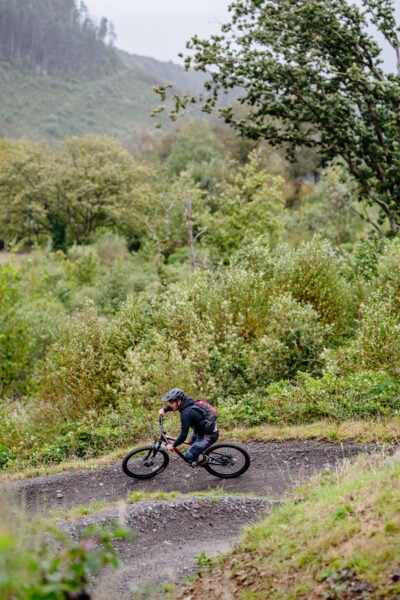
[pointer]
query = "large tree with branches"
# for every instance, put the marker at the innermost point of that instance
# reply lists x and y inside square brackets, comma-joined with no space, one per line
[309,73]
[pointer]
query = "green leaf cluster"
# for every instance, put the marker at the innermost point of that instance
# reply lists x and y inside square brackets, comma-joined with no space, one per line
[306,85]
[44,563]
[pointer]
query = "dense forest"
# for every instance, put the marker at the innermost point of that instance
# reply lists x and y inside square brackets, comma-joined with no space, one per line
[55,36]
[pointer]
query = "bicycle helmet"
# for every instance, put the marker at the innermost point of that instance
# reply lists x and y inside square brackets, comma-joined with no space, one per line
[174,394]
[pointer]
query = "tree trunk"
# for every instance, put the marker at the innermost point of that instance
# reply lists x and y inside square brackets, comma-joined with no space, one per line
[189,222]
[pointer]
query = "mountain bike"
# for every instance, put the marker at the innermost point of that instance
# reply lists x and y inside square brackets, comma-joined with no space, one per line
[223,460]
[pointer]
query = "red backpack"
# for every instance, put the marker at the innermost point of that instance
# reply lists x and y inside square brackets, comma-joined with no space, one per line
[209,413]
[207,406]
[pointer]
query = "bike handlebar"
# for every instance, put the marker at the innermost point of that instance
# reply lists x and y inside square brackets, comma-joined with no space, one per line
[160,422]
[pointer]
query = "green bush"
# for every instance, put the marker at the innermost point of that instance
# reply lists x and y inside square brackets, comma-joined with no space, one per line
[157,364]
[83,367]
[293,339]
[122,278]
[301,333]
[361,395]
[40,562]
[247,411]
[79,370]
[222,338]
[83,275]
[79,440]
[27,442]
[312,274]
[366,255]
[110,246]
[388,269]
[376,346]
[86,265]
[256,257]
[6,456]
[28,322]
[328,208]
[215,338]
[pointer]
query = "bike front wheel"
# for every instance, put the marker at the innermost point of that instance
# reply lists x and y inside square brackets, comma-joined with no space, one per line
[227,460]
[145,462]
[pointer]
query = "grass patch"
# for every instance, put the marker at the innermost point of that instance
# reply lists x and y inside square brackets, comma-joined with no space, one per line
[214,493]
[139,496]
[341,529]
[373,430]
[70,465]
[82,510]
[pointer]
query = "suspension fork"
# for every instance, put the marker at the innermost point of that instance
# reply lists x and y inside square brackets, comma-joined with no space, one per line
[156,445]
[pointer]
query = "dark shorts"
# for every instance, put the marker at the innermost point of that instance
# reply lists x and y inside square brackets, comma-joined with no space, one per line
[199,444]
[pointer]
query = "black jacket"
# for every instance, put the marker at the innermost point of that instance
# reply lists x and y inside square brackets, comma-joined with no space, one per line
[191,416]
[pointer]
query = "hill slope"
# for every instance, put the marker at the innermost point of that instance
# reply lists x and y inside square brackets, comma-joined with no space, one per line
[49,108]
[61,75]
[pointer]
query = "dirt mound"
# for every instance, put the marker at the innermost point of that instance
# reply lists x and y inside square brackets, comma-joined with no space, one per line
[170,540]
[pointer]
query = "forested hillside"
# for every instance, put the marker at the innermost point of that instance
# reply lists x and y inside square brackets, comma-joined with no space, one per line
[54,37]
[61,76]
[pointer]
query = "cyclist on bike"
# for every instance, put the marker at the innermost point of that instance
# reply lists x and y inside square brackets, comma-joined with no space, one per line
[204,433]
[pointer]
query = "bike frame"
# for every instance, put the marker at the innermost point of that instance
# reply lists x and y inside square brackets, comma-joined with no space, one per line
[166,439]
[219,456]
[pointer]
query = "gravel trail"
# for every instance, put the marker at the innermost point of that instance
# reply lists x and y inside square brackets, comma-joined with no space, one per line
[170,536]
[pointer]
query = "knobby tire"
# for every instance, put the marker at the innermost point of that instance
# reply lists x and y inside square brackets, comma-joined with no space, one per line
[227,460]
[144,462]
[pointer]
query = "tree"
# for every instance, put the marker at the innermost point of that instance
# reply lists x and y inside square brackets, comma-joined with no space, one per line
[24,168]
[170,213]
[93,179]
[196,150]
[311,74]
[54,36]
[249,206]
[67,193]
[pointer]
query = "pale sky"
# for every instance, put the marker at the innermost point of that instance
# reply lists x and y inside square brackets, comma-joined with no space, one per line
[159,28]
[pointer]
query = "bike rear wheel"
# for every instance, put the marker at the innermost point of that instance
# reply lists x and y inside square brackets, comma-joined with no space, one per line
[227,460]
[145,462]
